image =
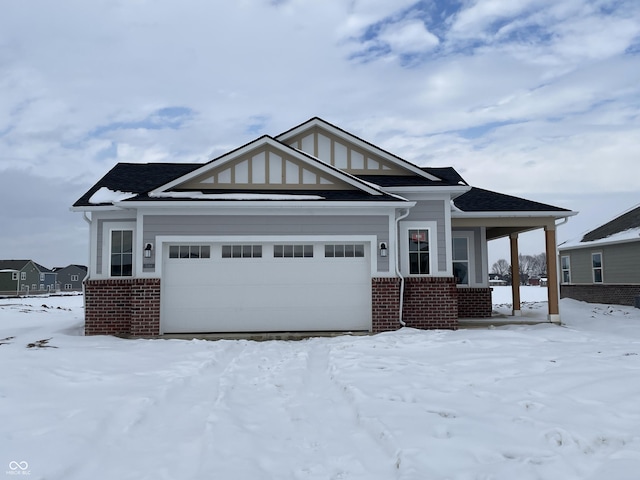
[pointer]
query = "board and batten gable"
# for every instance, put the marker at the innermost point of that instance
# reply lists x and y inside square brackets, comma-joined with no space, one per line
[293,226]
[620,263]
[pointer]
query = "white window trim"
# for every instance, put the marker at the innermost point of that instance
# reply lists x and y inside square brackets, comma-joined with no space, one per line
[74,278]
[601,268]
[23,275]
[14,276]
[568,269]
[106,247]
[471,259]
[431,227]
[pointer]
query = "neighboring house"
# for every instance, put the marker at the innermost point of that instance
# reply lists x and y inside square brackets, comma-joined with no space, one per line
[497,280]
[70,277]
[604,265]
[312,230]
[31,277]
[48,279]
[9,281]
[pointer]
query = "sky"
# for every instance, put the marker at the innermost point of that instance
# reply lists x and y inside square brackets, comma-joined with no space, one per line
[534,98]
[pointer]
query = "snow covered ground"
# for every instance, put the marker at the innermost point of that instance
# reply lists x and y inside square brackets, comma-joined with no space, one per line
[513,402]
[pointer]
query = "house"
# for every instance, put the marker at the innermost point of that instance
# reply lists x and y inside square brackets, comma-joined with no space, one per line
[70,277]
[604,265]
[31,277]
[312,230]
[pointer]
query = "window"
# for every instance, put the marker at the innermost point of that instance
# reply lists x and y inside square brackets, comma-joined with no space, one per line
[565,267]
[189,251]
[74,278]
[344,250]
[121,253]
[596,265]
[68,286]
[242,251]
[34,286]
[23,275]
[14,276]
[418,251]
[41,286]
[293,251]
[42,277]
[461,260]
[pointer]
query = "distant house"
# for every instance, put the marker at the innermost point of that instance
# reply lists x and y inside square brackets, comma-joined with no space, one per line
[496,280]
[30,277]
[70,277]
[604,265]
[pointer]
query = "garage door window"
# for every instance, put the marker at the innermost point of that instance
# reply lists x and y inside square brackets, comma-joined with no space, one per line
[242,251]
[344,250]
[293,251]
[189,251]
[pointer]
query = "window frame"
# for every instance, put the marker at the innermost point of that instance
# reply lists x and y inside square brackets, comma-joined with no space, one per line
[594,268]
[566,270]
[75,278]
[110,253]
[14,276]
[431,227]
[23,276]
[468,237]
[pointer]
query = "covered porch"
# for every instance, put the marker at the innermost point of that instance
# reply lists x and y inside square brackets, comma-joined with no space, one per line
[511,226]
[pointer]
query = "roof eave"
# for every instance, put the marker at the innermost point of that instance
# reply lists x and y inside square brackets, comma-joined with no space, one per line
[514,214]
[396,203]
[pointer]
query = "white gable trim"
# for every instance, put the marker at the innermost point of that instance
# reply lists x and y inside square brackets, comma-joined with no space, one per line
[268,141]
[348,137]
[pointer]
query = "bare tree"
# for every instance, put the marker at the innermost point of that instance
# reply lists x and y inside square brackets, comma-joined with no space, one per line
[501,267]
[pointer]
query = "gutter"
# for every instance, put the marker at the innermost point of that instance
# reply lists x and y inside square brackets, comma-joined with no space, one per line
[401,302]
[86,277]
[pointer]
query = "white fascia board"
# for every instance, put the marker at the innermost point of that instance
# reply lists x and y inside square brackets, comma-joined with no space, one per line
[513,214]
[316,122]
[596,243]
[102,208]
[272,208]
[266,140]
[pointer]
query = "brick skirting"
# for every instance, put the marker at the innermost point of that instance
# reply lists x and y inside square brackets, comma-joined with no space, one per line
[122,307]
[616,294]
[474,303]
[429,302]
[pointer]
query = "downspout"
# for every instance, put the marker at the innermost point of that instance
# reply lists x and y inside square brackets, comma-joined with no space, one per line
[86,277]
[405,215]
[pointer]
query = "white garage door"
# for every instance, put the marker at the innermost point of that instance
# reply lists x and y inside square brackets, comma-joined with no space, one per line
[262,287]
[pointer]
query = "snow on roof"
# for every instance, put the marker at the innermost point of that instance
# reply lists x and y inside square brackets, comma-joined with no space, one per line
[106,195]
[620,237]
[197,195]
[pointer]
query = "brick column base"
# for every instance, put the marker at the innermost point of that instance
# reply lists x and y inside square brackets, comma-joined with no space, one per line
[126,307]
[474,303]
[429,302]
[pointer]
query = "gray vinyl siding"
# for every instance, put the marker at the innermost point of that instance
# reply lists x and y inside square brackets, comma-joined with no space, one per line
[378,225]
[433,210]
[620,263]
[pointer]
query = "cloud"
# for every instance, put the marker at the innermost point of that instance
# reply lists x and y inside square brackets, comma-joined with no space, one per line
[541,90]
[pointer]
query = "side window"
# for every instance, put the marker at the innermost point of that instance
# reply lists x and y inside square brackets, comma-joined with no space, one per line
[14,276]
[596,265]
[419,251]
[461,260]
[565,267]
[23,275]
[121,253]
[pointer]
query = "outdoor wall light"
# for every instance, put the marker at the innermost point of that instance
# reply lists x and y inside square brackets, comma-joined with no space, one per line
[147,250]
[383,249]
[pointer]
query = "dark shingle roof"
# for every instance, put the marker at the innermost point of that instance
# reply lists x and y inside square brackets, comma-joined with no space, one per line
[630,219]
[480,200]
[13,264]
[448,177]
[138,178]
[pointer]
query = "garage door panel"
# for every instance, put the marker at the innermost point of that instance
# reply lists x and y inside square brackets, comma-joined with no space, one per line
[266,294]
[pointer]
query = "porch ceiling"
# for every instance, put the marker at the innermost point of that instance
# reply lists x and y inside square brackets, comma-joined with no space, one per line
[500,227]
